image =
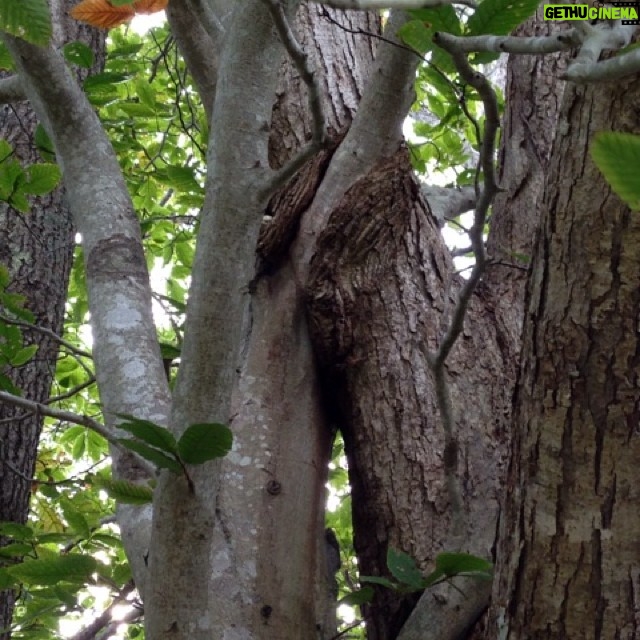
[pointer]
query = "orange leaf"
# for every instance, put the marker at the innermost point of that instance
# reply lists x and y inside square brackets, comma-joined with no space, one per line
[101,13]
[149,6]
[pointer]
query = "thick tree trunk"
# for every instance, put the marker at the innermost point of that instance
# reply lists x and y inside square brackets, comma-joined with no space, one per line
[37,248]
[377,298]
[268,575]
[568,539]
[377,302]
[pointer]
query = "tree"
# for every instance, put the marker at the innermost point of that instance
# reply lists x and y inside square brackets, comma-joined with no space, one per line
[37,251]
[354,317]
[567,520]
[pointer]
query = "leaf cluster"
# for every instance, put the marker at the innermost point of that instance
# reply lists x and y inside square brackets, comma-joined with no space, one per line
[17,183]
[198,444]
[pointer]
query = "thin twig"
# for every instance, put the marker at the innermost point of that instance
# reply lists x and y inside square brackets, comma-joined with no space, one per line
[74,418]
[106,617]
[72,392]
[47,332]
[437,360]
[346,630]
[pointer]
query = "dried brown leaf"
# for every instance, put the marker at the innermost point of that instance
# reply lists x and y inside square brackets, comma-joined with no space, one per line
[101,13]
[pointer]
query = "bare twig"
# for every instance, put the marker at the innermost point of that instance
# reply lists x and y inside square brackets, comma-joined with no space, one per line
[372,35]
[72,392]
[105,619]
[437,360]
[74,479]
[47,332]
[348,628]
[74,418]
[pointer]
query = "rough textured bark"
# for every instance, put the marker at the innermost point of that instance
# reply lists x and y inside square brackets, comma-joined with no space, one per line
[568,540]
[377,300]
[37,248]
[532,100]
[533,96]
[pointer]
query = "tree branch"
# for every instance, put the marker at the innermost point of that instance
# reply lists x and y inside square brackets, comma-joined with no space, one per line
[73,418]
[587,67]
[72,392]
[47,332]
[105,619]
[447,203]
[437,360]
[369,5]
[376,132]
[11,90]
[510,44]
[199,44]
[127,360]
[59,414]
[591,40]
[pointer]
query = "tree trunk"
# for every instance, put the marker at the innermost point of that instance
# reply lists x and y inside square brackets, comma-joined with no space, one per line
[377,301]
[268,577]
[569,528]
[534,94]
[37,248]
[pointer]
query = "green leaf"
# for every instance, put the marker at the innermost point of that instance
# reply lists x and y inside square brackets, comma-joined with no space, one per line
[104,81]
[181,178]
[26,19]
[40,179]
[6,61]
[14,302]
[453,564]
[10,172]
[385,582]
[69,568]
[6,581]
[442,18]
[149,432]
[6,150]
[500,17]
[136,109]
[19,201]
[15,550]
[44,144]
[169,351]
[78,53]
[16,531]
[404,569]
[202,442]
[160,459]
[617,155]
[5,277]
[126,492]
[417,35]
[146,93]
[356,598]
[6,384]
[77,522]
[24,355]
